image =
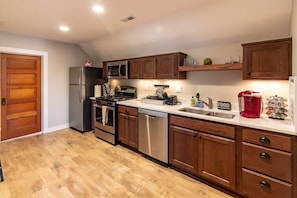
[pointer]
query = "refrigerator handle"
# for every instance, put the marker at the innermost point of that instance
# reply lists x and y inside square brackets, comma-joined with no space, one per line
[80,87]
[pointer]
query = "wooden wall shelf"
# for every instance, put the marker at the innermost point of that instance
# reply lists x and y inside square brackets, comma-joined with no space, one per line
[217,67]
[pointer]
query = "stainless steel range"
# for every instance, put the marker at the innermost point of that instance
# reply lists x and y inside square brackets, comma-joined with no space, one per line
[106,113]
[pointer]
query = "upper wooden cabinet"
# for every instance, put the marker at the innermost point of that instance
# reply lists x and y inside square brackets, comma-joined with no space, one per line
[271,60]
[167,66]
[157,67]
[142,68]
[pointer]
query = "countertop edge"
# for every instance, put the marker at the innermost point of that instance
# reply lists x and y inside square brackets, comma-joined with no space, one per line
[262,123]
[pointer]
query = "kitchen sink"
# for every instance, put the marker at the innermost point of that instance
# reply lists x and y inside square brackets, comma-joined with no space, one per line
[208,113]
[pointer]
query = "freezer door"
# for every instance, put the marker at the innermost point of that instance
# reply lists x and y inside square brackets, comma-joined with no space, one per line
[76,76]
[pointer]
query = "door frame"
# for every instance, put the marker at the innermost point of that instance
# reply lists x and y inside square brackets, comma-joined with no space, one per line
[44,80]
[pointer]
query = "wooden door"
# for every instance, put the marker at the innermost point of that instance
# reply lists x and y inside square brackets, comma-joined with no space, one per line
[149,68]
[20,95]
[122,128]
[167,67]
[135,71]
[133,131]
[183,149]
[217,159]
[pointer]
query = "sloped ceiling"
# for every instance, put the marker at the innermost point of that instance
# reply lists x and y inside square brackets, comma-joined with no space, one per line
[160,26]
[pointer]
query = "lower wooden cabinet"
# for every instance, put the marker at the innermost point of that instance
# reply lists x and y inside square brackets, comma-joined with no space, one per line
[217,159]
[256,185]
[208,156]
[128,126]
[183,149]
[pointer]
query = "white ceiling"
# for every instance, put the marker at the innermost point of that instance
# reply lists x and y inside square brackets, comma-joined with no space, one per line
[159,24]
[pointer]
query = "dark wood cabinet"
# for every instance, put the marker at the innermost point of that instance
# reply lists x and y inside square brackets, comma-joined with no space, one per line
[142,68]
[183,148]
[203,149]
[268,59]
[268,164]
[167,66]
[217,159]
[128,126]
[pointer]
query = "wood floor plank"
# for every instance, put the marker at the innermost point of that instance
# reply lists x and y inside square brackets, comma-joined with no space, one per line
[70,164]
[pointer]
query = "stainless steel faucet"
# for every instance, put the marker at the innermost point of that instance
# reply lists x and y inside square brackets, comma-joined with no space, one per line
[209,104]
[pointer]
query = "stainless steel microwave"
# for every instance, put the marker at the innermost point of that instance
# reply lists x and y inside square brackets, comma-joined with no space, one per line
[117,70]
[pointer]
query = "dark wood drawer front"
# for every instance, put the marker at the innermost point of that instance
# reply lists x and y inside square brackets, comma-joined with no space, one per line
[267,161]
[204,126]
[272,140]
[255,185]
[128,110]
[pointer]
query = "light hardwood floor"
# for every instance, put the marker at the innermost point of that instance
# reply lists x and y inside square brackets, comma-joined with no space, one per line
[67,163]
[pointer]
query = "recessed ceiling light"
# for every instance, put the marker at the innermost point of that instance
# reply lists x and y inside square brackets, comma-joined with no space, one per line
[98,9]
[64,28]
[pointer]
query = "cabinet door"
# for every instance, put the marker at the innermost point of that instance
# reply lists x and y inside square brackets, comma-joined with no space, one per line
[167,67]
[135,70]
[133,131]
[149,68]
[217,159]
[122,128]
[183,149]
[267,60]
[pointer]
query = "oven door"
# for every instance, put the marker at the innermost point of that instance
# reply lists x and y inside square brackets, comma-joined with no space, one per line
[104,118]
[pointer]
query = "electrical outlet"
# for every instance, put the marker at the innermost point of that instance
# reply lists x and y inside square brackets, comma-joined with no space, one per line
[178,88]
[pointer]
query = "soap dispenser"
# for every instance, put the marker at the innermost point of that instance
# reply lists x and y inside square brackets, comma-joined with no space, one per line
[193,102]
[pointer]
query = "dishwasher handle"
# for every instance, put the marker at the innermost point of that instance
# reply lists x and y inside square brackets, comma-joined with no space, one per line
[152,114]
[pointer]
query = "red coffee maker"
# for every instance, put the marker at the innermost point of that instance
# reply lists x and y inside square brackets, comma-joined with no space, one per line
[250,104]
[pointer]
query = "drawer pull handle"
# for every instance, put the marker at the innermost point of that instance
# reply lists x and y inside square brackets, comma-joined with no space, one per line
[264,184]
[264,155]
[264,140]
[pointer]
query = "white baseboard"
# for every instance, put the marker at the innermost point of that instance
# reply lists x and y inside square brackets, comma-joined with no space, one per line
[56,128]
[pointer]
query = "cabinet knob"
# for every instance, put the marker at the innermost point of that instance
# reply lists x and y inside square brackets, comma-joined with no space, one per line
[127,111]
[264,139]
[248,73]
[264,155]
[264,184]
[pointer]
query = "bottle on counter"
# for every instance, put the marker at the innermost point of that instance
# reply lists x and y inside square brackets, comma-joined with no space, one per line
[193,102]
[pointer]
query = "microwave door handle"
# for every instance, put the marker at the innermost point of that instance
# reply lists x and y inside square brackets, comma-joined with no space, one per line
[120,66]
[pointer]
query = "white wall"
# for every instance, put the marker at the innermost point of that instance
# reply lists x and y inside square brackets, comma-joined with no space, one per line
[60,57]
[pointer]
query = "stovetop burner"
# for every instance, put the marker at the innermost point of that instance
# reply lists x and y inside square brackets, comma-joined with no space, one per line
[114,98]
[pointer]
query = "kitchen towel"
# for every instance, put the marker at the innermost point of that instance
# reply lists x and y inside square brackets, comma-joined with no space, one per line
[97,91]
[104,115]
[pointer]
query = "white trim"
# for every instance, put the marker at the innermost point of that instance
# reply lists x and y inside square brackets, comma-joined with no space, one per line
[44,80]
[57,128]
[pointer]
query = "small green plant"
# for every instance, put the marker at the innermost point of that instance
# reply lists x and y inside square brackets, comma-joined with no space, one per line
[207,61]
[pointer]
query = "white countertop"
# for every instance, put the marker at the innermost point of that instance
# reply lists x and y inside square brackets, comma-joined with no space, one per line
[265,123]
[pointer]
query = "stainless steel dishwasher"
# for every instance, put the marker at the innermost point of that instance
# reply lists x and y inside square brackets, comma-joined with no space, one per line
[153,134]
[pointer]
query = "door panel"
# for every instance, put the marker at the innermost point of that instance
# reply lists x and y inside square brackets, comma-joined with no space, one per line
[21,90]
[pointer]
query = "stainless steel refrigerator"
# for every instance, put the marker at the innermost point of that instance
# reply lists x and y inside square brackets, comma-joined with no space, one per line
[81,87]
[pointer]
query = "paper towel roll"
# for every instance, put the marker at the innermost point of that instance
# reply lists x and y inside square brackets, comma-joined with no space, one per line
[97,91]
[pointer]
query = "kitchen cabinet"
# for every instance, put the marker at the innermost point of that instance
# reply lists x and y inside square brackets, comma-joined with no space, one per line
[128,126]
[268,164]
[143,68]
[183,149]
[217,159]
[167,66]
[208,146]
[93,102]
[268,59]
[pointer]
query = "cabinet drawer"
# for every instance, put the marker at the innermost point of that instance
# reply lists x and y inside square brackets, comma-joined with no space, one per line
[204,126]
[255,185]
[128,110]
[267,161]
[268,139]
